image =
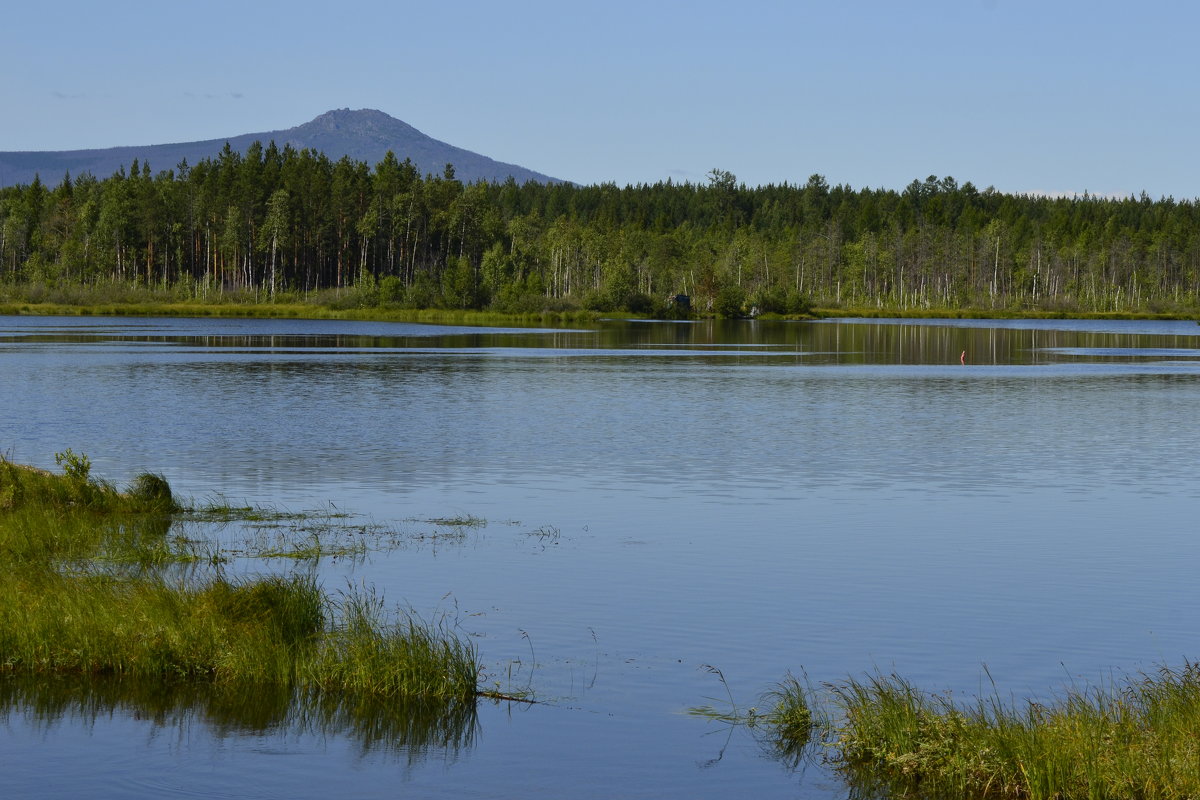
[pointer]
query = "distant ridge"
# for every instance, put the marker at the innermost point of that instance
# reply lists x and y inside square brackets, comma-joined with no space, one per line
[363,135]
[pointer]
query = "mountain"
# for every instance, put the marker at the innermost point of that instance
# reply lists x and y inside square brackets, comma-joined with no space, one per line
[363,135]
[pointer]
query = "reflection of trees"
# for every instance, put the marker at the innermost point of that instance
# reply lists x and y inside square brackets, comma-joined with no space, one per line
[409,729]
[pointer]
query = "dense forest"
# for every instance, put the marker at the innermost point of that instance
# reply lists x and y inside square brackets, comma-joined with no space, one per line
[276,221]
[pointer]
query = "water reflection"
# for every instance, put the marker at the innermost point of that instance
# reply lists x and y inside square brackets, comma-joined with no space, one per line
[411,731]
[900,342]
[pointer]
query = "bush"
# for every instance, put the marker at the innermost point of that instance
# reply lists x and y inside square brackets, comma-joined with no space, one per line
[153,493]
[730,302]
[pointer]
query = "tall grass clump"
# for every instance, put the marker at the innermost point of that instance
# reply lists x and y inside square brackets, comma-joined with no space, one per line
[23,486]
[365,652]
[791,718]
[1140,739]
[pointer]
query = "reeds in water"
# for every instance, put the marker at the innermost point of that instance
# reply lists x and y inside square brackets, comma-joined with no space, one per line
[1140,739]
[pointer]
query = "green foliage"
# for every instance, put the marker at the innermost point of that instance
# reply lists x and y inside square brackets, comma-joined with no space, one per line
[730,302]
[77,467]
[278,222]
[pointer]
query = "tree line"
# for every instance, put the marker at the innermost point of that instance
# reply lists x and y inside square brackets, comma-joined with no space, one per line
[292,221]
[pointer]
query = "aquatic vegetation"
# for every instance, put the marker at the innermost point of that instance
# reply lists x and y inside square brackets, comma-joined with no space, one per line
[1139,739]
[460,521]
[789,718]
[366,652]
[83,590]
[547,534]
[783,720]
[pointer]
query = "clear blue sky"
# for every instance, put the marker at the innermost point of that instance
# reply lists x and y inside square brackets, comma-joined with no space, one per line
[1031,96]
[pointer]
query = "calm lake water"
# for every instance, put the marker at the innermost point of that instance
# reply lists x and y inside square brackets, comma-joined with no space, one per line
[830,498]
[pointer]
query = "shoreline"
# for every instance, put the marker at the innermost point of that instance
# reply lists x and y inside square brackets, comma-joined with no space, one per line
[238,310]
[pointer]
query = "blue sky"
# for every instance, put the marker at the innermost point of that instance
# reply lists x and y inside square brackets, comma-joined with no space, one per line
[1048,96]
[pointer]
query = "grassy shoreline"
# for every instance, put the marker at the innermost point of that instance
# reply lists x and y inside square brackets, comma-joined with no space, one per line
[302,310]
[1136,738]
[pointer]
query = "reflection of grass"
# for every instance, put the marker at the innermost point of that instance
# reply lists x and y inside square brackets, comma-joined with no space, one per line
[547,534]
[410,727]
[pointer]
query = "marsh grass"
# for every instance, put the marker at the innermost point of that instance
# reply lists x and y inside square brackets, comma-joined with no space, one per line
[23,487]
[84,591]
[460,521]
[366,651]
[130,302]
[311,548]
[266,532]
[783,720]
[1137,739]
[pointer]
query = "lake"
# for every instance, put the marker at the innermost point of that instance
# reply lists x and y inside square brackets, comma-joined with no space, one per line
[651,500]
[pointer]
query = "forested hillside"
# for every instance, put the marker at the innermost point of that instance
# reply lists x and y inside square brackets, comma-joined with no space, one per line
[276,221]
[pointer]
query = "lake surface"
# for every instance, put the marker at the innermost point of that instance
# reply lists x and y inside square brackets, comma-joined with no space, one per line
[825,498]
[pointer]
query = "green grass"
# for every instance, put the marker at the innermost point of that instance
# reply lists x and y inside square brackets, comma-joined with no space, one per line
[296,309]
[272,630]
[89,586]
[947,312]
[361,303]
[23,487]
[783,720]
[1136,739]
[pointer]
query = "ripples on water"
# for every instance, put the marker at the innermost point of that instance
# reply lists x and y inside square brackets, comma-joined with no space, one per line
[760,496]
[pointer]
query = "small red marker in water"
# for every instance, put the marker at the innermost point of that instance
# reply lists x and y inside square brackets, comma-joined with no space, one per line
[963,358]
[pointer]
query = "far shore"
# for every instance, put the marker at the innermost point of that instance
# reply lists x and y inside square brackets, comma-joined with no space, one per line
[303,310]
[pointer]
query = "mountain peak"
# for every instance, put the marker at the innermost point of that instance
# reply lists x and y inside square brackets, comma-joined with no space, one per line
[365,134]
[367,123]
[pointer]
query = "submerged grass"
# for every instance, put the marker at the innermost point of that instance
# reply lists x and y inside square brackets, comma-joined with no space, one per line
[1138,739]
[83,592]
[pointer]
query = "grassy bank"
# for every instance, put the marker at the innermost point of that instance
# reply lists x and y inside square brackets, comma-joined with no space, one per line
[130,300]
[997,313]
[1136,739]
[435,316]
[28,487]
[301,311]
[84,590]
